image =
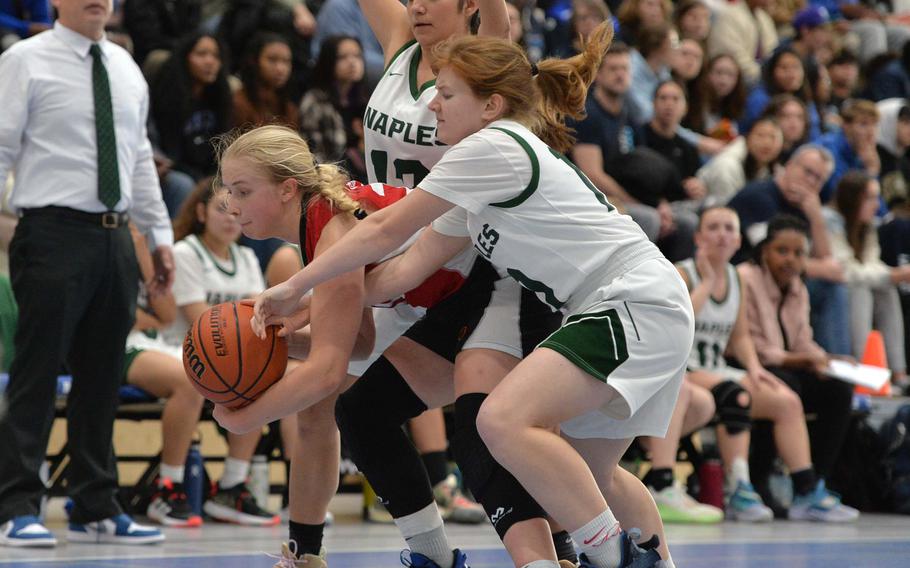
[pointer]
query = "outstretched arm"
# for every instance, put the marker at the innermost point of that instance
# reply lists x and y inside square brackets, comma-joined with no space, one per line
[389,21]
[494,18]
[394,277]
[372,238]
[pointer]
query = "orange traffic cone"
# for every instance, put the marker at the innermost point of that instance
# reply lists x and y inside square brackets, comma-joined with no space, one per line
[875,355]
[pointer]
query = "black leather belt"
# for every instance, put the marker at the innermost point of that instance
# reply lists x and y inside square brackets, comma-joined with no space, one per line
[107,220]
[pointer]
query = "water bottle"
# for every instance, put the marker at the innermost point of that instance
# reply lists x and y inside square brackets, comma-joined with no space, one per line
[711,483]
[193,478]
[259,480]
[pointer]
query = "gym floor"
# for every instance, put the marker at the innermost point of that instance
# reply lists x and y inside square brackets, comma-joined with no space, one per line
[880,541]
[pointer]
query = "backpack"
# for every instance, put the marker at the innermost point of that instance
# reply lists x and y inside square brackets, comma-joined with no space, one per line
[859,475]
[895,436]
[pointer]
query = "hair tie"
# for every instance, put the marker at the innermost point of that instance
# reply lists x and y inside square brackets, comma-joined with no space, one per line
[534,70]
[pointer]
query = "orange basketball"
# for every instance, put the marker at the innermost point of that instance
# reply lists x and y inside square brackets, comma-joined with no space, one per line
[228,363]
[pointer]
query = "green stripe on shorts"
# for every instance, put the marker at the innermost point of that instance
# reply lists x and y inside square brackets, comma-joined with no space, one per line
[131,354]
[594,342]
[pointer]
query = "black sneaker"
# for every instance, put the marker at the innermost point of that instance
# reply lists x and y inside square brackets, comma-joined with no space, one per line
[169,506]
[237,505]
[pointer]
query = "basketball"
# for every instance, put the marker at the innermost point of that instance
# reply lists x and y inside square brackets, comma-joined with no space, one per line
[228,363]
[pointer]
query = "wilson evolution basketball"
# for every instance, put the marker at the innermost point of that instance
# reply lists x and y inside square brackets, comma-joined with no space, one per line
[228,363]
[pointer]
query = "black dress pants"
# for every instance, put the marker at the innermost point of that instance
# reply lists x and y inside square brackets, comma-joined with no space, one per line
[75,284]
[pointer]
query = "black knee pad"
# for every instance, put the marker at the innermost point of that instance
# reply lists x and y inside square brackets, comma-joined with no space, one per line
[370,416]
[730,412]
[504,499]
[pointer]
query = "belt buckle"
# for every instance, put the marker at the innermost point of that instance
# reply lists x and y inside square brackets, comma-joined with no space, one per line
[110,220]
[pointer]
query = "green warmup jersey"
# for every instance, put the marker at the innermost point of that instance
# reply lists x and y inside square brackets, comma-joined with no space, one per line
[399,129]
[714,322]
[535,215]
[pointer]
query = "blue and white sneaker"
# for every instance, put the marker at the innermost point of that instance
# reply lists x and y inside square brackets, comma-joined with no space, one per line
[634,555]
[415,560]
[26,531]
[821,505]
[746,505]
[115,530]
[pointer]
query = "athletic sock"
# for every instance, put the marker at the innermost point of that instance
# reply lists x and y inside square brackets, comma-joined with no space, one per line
[565,548]
[437,466]
[424,533]
[739,472]
[235,472]
[307,537]
[659,478]
[804,481]
[172,472]
[600,540]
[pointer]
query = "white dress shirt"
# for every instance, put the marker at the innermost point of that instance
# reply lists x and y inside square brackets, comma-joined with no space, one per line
[47,129]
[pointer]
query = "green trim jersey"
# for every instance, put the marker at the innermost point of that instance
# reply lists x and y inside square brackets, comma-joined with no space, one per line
[200,277]
[535,216]
[399,129]
[714,322]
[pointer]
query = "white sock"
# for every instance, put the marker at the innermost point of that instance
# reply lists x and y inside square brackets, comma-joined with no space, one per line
[739,471]
[235,472]
[172,472]
[542,564]
[600,540]
[424,533]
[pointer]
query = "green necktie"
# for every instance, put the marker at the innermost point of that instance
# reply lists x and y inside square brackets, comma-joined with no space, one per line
[108,172]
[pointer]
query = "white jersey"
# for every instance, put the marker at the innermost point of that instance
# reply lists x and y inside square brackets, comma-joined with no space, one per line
[200,277]
[399,129]
[535,215]
[714,322]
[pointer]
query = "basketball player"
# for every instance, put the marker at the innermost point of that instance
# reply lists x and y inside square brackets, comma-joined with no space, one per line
[212,268]
[613,370]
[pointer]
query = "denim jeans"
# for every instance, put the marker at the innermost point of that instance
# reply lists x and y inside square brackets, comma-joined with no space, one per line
[829,304]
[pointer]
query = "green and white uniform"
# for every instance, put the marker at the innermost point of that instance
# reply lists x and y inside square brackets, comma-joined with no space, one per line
[537,218]
[714,324]
[200,277]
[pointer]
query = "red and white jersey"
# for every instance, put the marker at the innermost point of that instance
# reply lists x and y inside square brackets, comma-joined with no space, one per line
[375,196]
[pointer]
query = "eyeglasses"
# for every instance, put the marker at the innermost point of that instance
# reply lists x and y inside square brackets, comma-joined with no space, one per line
[811,174]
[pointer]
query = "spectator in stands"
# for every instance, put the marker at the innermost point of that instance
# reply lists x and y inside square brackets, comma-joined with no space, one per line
[20,19]
[777,308]
[784,72]
[191,103]
[516,25]
[211,269]
[586,15]
[717,101]
[687,61]
[892,79]
[662,136]
[853,147]
[843,71]
[657,47]
[794,191]
[331,113]
[264,97]
[344,17]
[873,296]
[894,236]
[791,114]
[637,179]
[635,16]
[243,19]
[155,26]
[877,33]
[744,30]
[747,159]
[693,20]
[812,41]
[893,145]
[73,128]
[820,91]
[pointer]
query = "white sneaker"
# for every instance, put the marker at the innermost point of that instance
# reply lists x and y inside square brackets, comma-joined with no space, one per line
[115,530]
[26,531]
[745,505]
[676,506]
[821,505]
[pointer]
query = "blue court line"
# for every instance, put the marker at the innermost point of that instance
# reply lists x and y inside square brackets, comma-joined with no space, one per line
[841,554]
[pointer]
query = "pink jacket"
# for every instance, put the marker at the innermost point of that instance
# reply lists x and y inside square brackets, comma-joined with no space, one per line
[772,313]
